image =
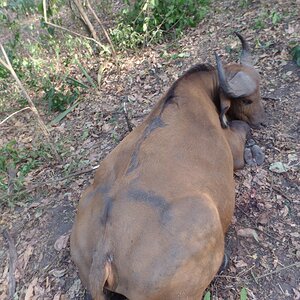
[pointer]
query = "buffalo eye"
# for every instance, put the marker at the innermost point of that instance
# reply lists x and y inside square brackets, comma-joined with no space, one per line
[247,101]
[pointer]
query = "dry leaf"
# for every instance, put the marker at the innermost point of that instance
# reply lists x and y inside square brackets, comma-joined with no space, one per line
[285,211]
[248,232]
[30,290]
[58,273]
[279,167]
[27,254]
[264,218]
[240,264]
[61,242]
[57,296]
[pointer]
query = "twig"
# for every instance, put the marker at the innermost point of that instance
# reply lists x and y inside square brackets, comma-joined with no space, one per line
[227,276]
[269,235]
[64,178]
[68,30]
[243,272]
[297,264]
[86,19]
[270,98]
[32,188]
[103,29]
[16,112]
[282,194]
[76,173]
[125,112]
[43,127]
[12,264]
[254,277]
[45,11]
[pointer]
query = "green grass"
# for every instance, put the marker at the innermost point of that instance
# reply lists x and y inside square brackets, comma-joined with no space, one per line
[266,19]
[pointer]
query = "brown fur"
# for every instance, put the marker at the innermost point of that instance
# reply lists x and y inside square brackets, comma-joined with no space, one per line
[152,224]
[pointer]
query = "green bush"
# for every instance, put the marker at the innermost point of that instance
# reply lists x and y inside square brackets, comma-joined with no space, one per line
[20,6]
[22,160]
[149,20]
[59,100]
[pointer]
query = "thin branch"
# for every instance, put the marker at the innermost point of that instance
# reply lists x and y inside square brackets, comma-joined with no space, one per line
[16,112]
[103,29]
[39,184]
[86,19]
[125,112]
[75,33]
[64,178]
[30,102]
[297,264]
[12,263]
[68,30]
[45,11]
[282,193]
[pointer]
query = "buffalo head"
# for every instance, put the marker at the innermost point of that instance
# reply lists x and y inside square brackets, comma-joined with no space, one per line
[239,90]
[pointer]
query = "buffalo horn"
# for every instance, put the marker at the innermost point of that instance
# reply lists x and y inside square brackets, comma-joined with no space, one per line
[238,85]
[246,58]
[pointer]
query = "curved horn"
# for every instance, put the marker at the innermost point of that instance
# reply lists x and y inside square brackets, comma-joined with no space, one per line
[221,75]
[246,58]
[238,85]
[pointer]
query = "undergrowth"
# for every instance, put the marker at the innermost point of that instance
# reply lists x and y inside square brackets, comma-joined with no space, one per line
[149,21]
[15,164]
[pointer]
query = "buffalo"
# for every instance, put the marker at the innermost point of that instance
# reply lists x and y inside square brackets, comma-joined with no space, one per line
[151,226]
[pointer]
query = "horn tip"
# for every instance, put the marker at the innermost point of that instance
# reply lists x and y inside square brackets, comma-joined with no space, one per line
[217,57]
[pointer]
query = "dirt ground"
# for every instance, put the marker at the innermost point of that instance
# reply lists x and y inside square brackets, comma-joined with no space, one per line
[263,242]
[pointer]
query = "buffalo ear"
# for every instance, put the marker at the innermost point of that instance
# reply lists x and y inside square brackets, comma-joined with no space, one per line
[235,85]
[241,84]
[224,107]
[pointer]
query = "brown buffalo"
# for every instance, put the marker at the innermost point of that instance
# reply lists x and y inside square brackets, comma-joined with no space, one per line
[152,224]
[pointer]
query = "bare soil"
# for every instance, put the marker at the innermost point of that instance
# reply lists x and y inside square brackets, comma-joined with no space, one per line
[263,243]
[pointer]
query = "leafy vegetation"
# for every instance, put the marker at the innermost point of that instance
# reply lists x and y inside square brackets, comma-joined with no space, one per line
[267,18]
[244,3]
[16,163]
[243,294]
[52,79]
[207,296]
[148,21]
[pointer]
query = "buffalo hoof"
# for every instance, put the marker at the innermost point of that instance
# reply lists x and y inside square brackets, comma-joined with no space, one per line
[254,155]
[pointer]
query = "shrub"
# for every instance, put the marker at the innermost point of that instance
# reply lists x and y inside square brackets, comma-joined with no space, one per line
[149,20]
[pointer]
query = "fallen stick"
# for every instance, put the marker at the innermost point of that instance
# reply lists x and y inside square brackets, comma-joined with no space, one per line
[11,115]
[12,264]
[297,264]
